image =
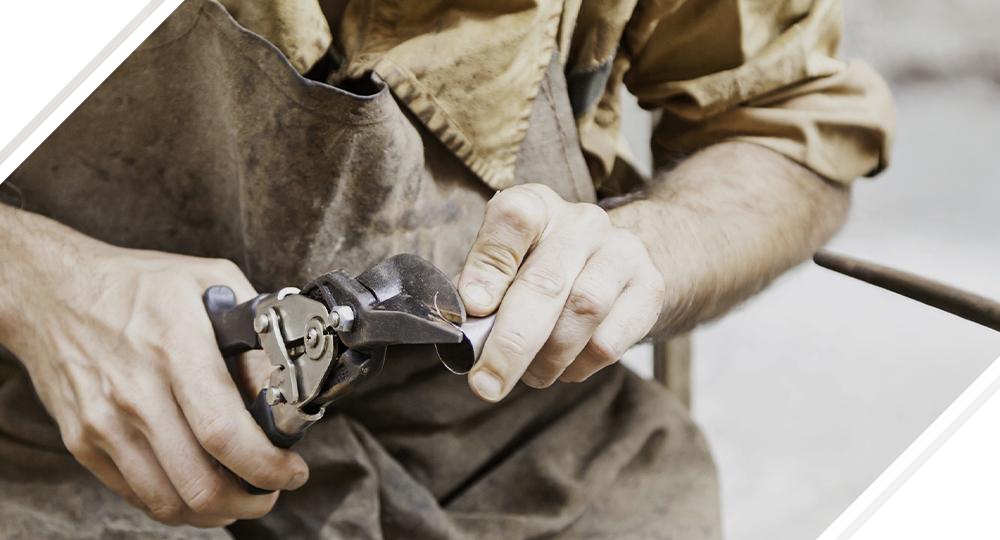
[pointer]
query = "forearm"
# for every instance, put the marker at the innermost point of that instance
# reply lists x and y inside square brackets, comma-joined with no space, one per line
[726,222]
[33,248]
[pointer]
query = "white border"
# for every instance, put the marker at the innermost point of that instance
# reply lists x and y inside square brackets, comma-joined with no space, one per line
[128,38]
[917,455]
[83,84]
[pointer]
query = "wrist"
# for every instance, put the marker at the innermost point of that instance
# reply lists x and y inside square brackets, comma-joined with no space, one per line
[645,219]
[725,222]
[41,258]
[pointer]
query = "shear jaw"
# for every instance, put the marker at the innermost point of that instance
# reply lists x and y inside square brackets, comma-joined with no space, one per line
[295,334]
[329,338]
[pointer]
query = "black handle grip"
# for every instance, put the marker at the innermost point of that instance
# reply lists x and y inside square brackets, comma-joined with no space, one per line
[235,334]
[261,412]
[233,324]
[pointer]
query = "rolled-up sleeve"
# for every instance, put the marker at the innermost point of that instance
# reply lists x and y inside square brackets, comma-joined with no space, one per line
[759,71]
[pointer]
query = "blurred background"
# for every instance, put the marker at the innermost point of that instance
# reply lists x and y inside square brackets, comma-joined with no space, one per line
[809,391]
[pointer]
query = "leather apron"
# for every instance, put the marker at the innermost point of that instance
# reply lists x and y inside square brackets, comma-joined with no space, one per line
[206,142]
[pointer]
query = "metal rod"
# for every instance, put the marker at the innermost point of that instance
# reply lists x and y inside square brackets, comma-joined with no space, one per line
[964,304]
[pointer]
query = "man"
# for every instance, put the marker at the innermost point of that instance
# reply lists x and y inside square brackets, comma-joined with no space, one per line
[416,125]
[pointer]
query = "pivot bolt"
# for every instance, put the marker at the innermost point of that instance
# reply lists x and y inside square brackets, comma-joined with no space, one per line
[315,339]
[312,337]
[262,324]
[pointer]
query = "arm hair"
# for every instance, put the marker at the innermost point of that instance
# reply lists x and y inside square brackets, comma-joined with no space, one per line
[726,222]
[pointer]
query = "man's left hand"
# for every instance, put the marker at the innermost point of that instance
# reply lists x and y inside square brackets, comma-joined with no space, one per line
[572,292]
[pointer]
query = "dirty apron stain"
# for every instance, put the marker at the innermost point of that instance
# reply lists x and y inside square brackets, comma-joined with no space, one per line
[207,142]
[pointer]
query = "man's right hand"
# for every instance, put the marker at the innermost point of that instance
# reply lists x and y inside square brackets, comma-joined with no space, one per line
[122,354]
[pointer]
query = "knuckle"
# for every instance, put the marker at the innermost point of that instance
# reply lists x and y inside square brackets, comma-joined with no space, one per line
[497,258]
[226,272]
[585,302]
[134,407]
[545,370]
[78,445]
[657,287]
[511,344]
[216,433]
[135,501]
[225,267]
[96,423]
[169,512]
[520,209]
[593,215]
[544,280]
[203,496]
[170,351]
[604,350]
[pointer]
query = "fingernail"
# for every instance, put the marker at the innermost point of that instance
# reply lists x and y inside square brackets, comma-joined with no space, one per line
[478,294]
[487,385]
[531,380]
[296,482]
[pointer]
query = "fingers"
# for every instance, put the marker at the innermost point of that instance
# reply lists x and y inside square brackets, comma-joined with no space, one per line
[202,485]
[145,401]
[219,420]
[225,272]
[120,458]
[95,435]
[251,372]
[571,292]
[515,221]
[146,477]
[631,319]
[590,301]
[534,301]
[104,468]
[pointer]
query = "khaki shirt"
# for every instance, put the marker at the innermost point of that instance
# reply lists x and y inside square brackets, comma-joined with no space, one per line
[759,71]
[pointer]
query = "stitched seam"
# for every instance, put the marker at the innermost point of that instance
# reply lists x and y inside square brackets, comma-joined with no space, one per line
[346,118]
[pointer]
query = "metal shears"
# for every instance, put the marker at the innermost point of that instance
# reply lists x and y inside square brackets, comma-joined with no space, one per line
[333,335]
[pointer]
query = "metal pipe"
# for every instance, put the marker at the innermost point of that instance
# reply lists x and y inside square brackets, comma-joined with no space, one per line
[964,304]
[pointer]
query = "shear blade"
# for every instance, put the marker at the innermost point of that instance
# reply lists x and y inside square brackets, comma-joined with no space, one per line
[411,276]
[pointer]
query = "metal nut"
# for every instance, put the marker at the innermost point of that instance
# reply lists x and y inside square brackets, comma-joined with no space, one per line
[344,320]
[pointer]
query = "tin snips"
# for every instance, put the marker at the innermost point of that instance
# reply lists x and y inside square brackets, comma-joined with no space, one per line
[330,337]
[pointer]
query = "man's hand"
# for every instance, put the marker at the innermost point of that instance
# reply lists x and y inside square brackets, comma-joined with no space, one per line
[577,286]
[122,354]
[572,292]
